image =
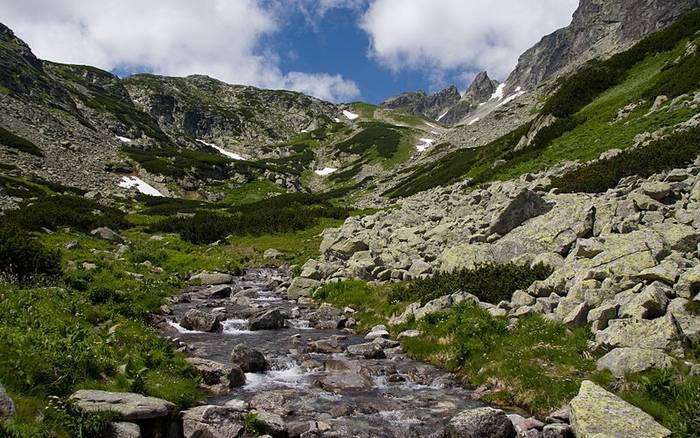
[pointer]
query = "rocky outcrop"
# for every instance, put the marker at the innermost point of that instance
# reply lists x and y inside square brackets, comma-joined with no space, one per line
[419,103]
[598,28]
[480,91]
[596,412]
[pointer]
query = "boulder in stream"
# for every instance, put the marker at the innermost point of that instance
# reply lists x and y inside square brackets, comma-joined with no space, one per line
[369,350]
[249,359]
[212,421]
[200,320]
[267,320]
[479,423]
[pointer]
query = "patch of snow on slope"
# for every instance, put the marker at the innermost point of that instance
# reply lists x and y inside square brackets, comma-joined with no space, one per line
[223,151]
[350,116]
[431,125]
[512,97]
[442,115]
[124,139]
[325,171]
[499,93]
[473,121]
[129,182]
[336,120]
[425,144]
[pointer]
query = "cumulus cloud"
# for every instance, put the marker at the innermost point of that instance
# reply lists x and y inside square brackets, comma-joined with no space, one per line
[221,38]
[442,35]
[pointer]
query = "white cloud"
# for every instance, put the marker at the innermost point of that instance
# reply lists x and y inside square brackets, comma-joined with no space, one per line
[441,35]
[220,38]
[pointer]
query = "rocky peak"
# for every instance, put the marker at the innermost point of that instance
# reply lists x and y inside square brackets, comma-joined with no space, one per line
[598,28]
[420,103]
[480,90]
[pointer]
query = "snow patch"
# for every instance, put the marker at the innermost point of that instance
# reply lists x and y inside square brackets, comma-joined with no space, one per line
[350,116]
[431,125]
[325,171]
[425,144]
[129,182]
[124,139]
[499,93]
[442,115]
[473,121]
[336,120]
[223,151]
[512,97]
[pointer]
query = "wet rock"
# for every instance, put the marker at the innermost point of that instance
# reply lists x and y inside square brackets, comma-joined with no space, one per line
[211,278]
[596,412]
[325,346]
[479,423]
[267,320]
[344,381]
[658,334]
[214,373]
[7,406]
[249,359]
[107,234]
[129,406]
[621,360]
[200,320]
[280,402]
[558,430]
[121,429]
[302,287]
[216,292]
[368,351]
[212,422]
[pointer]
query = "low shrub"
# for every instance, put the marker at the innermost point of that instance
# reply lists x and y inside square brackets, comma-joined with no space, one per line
[287,212]
[675,150]
[384,137]
[491,283]
[67,211]
[25,259]
[16,142]
[676,79]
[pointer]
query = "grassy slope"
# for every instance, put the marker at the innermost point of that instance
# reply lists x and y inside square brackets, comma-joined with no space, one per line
[585,142]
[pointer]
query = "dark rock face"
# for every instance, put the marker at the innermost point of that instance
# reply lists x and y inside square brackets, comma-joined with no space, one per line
[420,103]
[480,90]
[598,28]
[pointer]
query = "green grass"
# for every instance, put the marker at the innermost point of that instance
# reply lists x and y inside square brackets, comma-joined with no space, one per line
[18,143]
[365,110]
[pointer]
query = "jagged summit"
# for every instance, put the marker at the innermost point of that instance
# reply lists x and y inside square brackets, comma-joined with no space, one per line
[420,103]
[481,90]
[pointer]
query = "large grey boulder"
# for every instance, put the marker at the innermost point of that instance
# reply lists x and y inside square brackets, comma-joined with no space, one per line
[212,422]
[107,234]
[211,278]
[525,205]
[200,320]
[433,306]
[7,406]
[622,360]
[128,406]
[343,381]
[480,423]
[267,320]
[658,334]
[346,247]
[596,413]
[369,350]
[216,375]
[650,303]
[302,287]
[249,359]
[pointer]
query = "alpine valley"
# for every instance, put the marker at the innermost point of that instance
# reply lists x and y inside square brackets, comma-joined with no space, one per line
[182,257]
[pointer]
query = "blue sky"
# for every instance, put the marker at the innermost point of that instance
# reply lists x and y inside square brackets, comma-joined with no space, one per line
[338,50]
